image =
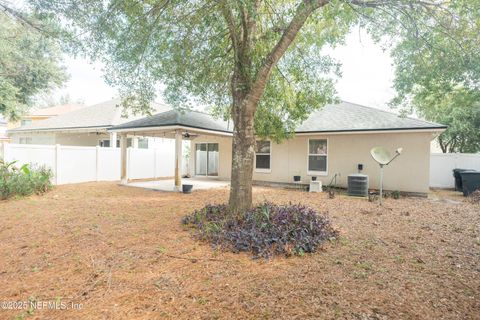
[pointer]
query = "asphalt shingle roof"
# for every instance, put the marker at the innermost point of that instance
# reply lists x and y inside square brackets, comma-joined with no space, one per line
[102,115]
[341,117]
[186,118]
[347,116]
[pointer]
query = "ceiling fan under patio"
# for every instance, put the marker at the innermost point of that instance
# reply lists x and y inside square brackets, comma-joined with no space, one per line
[187,135]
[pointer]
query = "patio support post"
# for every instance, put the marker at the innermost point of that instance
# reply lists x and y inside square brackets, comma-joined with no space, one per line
[123,157]
[113,139]
[135,142]
[178,160]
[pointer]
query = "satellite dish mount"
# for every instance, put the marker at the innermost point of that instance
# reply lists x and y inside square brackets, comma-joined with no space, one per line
[383,158]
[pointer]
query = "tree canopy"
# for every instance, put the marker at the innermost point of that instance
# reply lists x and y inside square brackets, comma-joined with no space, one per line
[438,74]
[186,46]
[459,108]
[30,60]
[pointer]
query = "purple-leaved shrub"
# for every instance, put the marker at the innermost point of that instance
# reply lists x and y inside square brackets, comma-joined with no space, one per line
[266,230]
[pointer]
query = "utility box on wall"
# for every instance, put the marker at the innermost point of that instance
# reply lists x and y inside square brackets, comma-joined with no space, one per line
[315,186]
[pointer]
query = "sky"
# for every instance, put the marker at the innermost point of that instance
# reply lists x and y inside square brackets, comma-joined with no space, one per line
[367,75]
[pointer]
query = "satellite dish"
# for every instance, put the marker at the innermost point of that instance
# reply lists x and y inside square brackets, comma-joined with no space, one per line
[383,157]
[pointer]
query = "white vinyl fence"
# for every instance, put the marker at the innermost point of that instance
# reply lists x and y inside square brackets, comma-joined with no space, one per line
[72,164]
[442,164]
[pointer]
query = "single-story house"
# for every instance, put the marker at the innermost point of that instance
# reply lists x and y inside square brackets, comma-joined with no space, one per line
[43,114]
[331,144]
[86,126]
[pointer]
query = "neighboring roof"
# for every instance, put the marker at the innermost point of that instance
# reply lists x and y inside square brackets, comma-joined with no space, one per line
[342,117]
[99,116]
[55,111]
[346,116]
[184,118]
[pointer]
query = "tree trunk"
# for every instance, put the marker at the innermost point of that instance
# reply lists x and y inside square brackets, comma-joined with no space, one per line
[242,158]
[246,93]
[443,144]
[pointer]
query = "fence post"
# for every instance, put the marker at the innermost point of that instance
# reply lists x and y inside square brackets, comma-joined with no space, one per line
[154,163]
[57,165]
[129,157]
[97,162]
[3,150]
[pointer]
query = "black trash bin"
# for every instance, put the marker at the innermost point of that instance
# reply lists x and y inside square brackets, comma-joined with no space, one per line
[470,181]
[458,178]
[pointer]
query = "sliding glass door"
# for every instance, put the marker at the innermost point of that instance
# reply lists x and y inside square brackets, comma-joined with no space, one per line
[206,159]
[212,159]
[201,159]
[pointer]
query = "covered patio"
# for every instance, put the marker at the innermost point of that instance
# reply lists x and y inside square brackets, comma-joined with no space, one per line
[180,125]
[166,184]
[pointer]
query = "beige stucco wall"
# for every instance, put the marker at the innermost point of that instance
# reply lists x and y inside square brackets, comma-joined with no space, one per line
[85,139]
[224,150]
[74,139]
[409,172]
[47,139]
[81,139]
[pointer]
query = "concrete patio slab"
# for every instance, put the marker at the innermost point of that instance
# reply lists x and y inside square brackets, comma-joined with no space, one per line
[168,185]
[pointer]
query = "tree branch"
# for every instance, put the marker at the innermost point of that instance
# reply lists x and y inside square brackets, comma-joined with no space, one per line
[19,16]
[379,3]
[304,10]
[232,28]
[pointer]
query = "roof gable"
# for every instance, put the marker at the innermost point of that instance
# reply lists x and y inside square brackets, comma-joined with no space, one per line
[186,118]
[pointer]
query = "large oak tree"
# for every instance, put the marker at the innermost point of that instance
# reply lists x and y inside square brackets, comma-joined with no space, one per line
[257,62]
[30,59]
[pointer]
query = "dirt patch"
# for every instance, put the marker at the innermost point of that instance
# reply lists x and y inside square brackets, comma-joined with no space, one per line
[474,198]
[122,253]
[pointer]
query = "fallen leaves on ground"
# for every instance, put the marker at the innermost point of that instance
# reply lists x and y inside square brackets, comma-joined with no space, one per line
[122,253]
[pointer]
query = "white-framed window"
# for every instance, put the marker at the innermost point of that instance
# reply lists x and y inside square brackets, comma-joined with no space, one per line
[26,140]
[317,156]
[106,143]
[263,156]
[25,122]
[142,143]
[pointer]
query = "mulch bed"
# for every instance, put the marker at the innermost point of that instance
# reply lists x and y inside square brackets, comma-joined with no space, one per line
[122,253]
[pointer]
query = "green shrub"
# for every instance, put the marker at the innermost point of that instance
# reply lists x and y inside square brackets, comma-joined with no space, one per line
[23,181]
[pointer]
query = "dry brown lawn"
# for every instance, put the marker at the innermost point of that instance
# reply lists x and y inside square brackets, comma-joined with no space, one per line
[122,254]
